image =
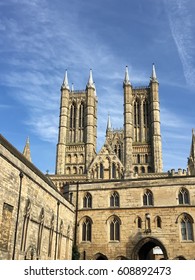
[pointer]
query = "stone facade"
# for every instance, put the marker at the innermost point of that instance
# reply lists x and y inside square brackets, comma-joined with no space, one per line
[144,224]
[36,222]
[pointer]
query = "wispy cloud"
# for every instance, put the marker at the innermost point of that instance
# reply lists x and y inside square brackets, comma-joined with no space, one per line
[182,22]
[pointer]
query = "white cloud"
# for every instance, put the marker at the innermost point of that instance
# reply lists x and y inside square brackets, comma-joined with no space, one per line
[181,19]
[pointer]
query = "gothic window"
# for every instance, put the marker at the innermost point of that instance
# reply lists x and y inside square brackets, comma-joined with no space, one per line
[86,229]
[81,116]
[87,200]
[101,171]
[74,170]
[138,222]
[25,225]
[183,196]
[146,158]
[136,169]
[138,159]
[143,169]
[68,171]
[158,222]
[186,228]
[148,198]
[69,158]
[80,170]
[114,229]
[73,116]
[145,109]
[114,199]
[113,170]
[136,113]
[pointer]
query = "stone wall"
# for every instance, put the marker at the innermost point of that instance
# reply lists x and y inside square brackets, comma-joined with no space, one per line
[165,207]
[36,222]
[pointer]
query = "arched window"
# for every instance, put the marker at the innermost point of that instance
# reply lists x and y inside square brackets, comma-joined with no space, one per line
[145,109]
[143,169]
[136,169]
[138,158]
[68,171]
[81,116]
[186,227]
[148,198]
[114,199]
[114,229]
[138,222]
[183,196]
[80,170]
[86,229]
[87,200]
[113,170]
[101,171]
[158,222]
[73,116]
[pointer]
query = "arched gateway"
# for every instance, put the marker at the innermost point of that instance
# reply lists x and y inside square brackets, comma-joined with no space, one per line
[145,249]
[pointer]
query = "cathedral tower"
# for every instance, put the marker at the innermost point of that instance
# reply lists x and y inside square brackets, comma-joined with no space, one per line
[77,129]
[142,138]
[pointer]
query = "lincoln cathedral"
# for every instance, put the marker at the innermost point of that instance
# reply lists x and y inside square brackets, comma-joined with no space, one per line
[111,204]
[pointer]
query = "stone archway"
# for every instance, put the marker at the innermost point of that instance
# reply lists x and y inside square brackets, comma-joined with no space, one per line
[144,249]
[100,256]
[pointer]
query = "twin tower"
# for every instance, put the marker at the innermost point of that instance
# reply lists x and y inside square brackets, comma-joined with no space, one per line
[133,150]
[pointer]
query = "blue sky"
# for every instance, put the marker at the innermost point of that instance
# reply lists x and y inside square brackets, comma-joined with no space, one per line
[40,39]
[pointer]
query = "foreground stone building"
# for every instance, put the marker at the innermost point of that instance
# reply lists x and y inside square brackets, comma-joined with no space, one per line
[113,204]
[36,222]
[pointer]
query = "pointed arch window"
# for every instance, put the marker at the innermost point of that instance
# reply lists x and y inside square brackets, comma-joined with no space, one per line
[136,169]
[101,171]
[138,222]
[87,200]
[136,112]
[145,109]
[114,199]
[86,229]
[73,116]
[81,115]
[114,229]
[148,198]
[186,228]
[113,170]
[183,196]
[158,222]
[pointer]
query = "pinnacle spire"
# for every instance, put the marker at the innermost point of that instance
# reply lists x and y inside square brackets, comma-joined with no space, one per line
[126,80]
[90,81]
[153,77]
[65,84]
[26,151]
[109,126]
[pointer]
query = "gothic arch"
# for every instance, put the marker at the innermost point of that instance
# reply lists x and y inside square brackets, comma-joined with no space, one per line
[100,256]
[144,246]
